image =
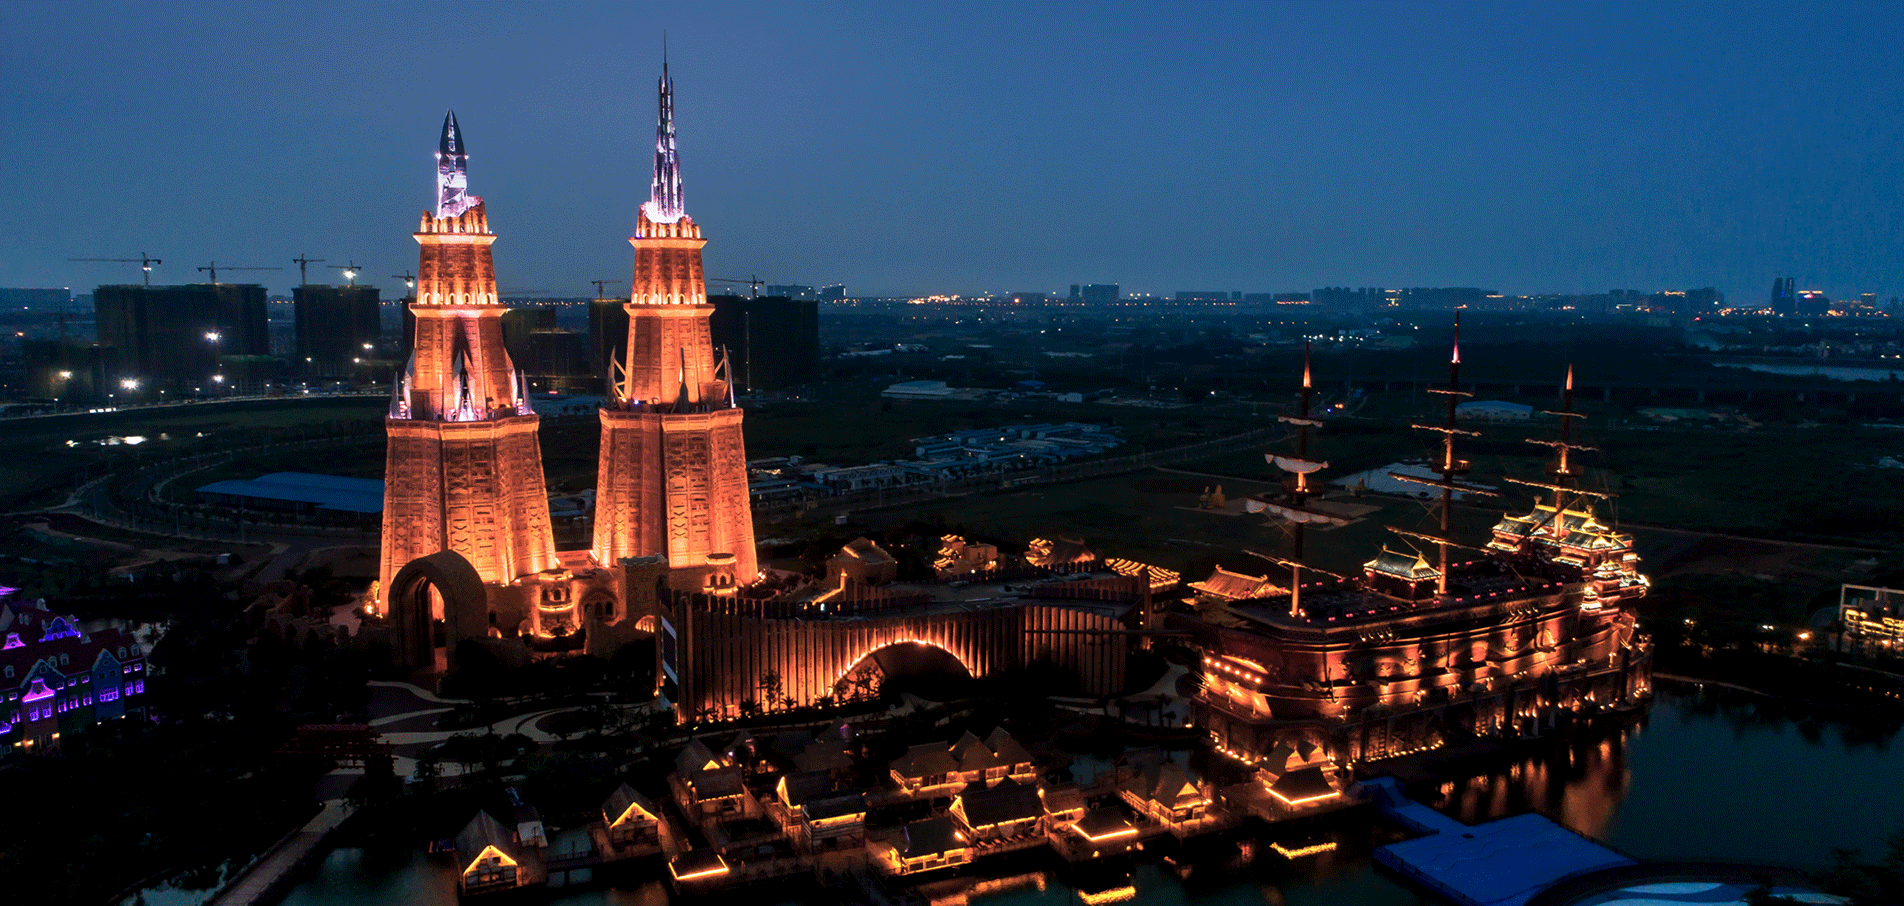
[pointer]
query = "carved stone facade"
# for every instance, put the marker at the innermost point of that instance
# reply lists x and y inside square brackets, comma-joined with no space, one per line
[463,467]
[673,472]
[463,472]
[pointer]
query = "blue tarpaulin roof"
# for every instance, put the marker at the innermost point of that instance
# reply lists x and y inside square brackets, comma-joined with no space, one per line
[330,492]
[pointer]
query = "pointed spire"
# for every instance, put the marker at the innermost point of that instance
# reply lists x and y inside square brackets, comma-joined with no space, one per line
[1457,339]
[452,172]
[452,144]
[664,200]
[1306,383]
[1569,377]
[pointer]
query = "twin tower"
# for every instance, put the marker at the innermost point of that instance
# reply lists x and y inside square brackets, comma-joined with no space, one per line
[466,531]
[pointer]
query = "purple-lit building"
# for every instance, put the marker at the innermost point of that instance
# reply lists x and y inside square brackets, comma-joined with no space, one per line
[56,679]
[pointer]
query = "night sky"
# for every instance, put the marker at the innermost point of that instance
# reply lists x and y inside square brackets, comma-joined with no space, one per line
[911,148]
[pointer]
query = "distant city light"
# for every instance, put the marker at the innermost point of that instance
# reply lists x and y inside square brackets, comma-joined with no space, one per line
[129,383]
[211,335]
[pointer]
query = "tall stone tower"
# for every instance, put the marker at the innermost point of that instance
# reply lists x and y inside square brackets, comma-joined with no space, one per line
[464,470]
[673,475]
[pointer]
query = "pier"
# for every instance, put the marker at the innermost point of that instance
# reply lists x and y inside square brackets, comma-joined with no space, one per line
[266,879]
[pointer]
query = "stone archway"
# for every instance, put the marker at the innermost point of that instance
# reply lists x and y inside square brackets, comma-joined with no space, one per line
[412,610]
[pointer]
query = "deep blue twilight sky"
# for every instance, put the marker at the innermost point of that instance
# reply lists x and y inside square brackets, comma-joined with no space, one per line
[916,147]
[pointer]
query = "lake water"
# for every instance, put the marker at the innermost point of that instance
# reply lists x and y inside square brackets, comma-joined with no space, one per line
[1829,372]
[1704,776]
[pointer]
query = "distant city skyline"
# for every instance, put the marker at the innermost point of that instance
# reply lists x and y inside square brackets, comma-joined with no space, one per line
[906,150]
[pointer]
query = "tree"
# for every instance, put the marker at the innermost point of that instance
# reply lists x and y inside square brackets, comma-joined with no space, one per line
[770,691]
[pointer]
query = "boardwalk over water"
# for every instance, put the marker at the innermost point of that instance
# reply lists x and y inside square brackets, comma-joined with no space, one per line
[265,880]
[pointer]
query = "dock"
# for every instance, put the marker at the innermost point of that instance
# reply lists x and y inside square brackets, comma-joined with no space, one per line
[266,879]
[1498,863]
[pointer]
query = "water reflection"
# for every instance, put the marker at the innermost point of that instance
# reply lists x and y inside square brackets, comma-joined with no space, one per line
[1580,783]
[1707,775]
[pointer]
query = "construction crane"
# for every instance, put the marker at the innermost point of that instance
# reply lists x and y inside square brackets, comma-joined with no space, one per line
[213,269]
[599,284]
[409,280]
[753,284]
[145,263]
[304,261]
[350,270]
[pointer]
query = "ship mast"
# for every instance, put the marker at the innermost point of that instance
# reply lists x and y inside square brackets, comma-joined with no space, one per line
[1447,466]
[1293,507]
[1562,470]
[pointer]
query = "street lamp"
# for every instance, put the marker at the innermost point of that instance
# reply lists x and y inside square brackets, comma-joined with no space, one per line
[129,383]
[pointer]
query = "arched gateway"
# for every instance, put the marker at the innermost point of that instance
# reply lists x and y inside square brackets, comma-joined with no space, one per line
[413,608]
[910,658]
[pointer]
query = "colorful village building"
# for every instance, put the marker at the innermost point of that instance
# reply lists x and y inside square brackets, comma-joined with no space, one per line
[56,679]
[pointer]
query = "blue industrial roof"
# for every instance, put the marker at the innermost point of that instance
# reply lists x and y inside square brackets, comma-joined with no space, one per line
[330,492]
[1500,863]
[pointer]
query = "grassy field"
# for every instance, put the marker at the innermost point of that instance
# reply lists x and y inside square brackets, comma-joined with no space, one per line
[47,457]
[1153,516]
[1817,483]
[850,431]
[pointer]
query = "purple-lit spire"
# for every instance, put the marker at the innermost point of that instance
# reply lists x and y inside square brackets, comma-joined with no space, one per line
[452,172]
[664,201]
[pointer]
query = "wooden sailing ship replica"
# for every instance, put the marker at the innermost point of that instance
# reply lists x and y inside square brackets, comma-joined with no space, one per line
[1531,630]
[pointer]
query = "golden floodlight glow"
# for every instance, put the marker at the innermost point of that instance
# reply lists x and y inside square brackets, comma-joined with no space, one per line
[717,870]
[488,852]
[1114,895]
[1306,799]
[1126,831]
[1301,851]
[908,641]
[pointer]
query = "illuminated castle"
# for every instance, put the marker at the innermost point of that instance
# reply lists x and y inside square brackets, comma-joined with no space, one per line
[463,471]
[673,474]
[1536,629]
[466,532]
